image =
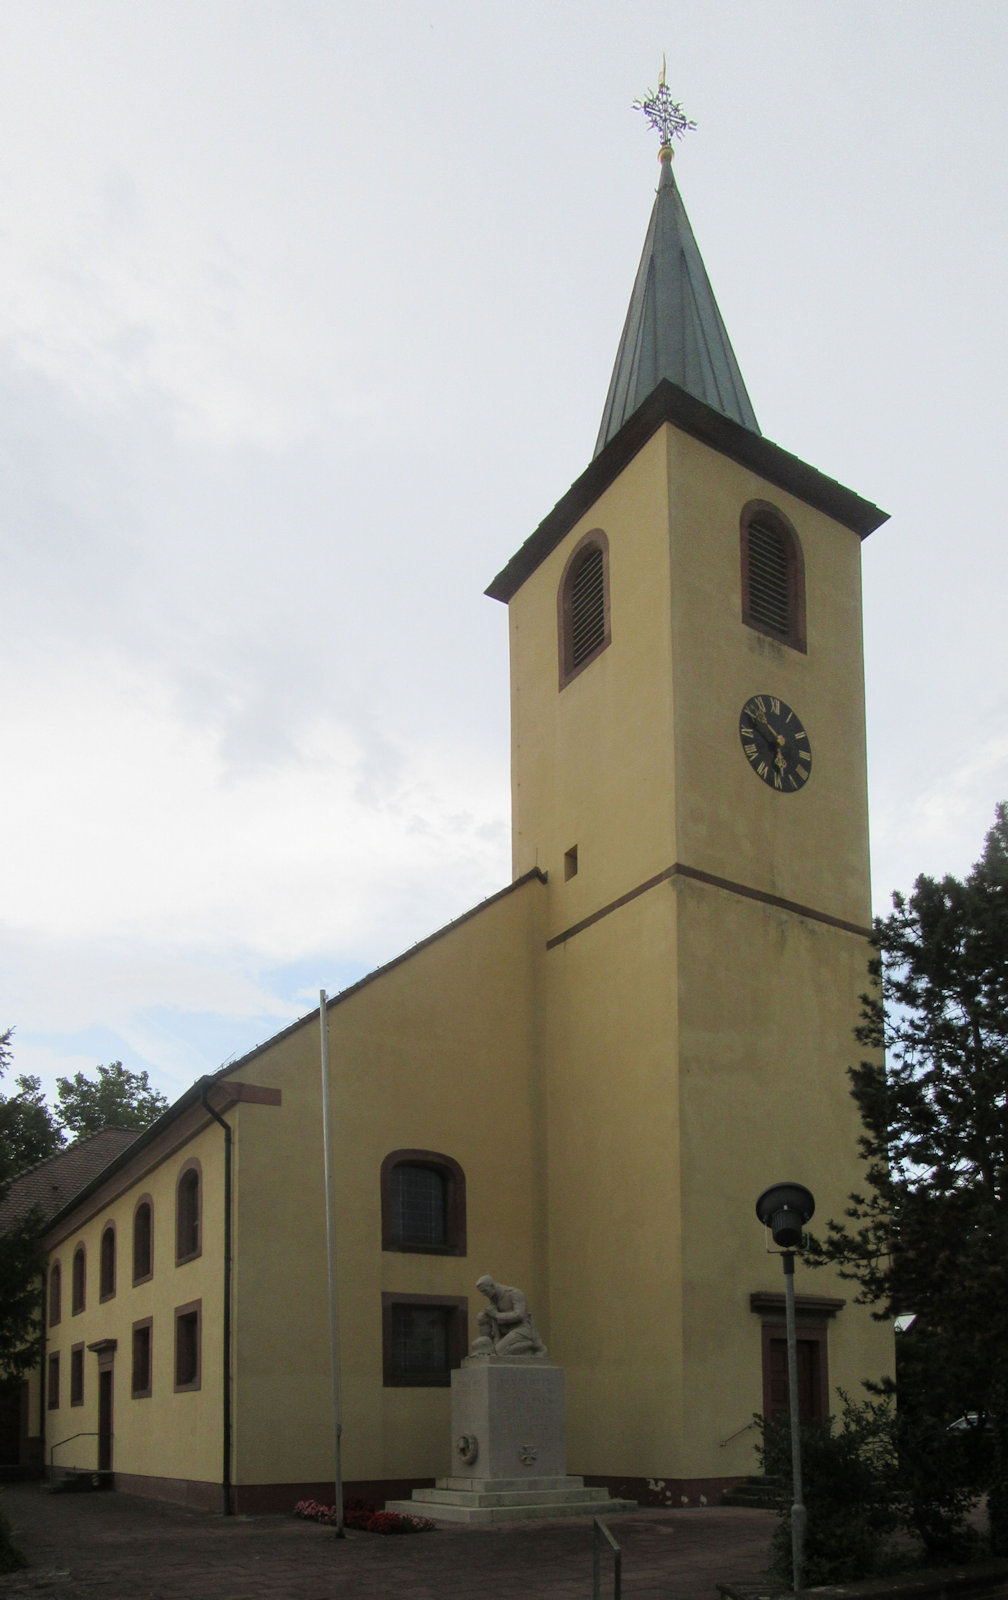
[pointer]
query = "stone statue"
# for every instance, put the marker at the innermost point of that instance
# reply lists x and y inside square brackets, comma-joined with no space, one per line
[506,1326]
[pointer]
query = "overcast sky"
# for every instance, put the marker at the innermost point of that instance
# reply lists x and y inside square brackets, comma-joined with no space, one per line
[307,315]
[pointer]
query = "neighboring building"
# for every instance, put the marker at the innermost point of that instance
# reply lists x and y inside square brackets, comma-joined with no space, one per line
[45,1189]
[582,1085]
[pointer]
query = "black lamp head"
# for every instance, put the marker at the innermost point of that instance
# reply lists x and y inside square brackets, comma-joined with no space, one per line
[785,1208]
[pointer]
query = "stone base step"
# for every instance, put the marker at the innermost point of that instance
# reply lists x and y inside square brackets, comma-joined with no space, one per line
[512,1497]
[483,1485]
[508,1500]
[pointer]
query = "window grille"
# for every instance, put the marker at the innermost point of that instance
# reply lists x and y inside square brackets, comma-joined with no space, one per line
[418,1205]
[421,1340]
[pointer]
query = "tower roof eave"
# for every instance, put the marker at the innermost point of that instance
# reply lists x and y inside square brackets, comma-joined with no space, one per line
[670,403]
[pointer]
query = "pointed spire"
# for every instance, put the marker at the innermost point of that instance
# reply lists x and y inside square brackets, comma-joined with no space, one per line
[673,327]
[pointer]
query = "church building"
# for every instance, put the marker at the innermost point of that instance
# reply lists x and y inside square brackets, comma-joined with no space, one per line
[582,1085]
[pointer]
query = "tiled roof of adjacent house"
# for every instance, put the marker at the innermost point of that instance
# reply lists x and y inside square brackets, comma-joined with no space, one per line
[55,1181]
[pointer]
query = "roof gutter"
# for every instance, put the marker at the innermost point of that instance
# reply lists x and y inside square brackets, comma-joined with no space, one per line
[227,1490]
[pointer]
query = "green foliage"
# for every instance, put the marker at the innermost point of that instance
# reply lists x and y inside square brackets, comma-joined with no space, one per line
[850,1488]
[22,1262]
[930,1234]
[11,1559]
[28,1132]
[117,1098]
[21,1256]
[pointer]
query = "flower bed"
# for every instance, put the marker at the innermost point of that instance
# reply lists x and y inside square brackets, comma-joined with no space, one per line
[363,1516]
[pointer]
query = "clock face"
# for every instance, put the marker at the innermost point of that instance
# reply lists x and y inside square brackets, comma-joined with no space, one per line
[775,744]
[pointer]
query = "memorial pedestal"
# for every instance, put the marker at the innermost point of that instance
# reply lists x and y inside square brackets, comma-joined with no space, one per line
[509,1456]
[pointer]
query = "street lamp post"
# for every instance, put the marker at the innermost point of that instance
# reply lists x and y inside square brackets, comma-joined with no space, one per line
[785,1208]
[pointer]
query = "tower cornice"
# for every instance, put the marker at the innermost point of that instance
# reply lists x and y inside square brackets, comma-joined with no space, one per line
[669,403]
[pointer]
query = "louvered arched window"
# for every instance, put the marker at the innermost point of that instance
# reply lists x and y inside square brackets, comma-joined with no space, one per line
[773,575]
[583,605]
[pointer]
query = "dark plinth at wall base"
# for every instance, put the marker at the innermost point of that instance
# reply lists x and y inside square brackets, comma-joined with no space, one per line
[667,1492]
[983,1580]
[191,1492]
[258,1499]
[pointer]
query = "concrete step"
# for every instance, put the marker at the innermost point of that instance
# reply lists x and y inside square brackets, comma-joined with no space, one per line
[511,1497]
[448,1511]
[482,1485]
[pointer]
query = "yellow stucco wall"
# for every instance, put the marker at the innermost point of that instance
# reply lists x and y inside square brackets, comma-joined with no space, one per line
[696,1039]
[168,1435]
[436,1054]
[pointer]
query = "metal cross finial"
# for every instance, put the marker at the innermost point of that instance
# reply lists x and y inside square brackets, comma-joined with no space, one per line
[663,112]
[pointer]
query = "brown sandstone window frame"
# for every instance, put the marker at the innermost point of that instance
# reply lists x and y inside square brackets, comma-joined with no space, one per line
[795,634]
[144,1202]
[188,1316]
[188,1217]
[107,1262]
[569,669]
[454,1181]
[53,1381]
[457,1335]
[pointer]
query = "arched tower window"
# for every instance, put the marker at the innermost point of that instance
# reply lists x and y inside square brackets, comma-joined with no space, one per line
[583,605]
[773,575]
[107,1263]
[78,1285]
[143,1240]
[188,1217]
[423,1203]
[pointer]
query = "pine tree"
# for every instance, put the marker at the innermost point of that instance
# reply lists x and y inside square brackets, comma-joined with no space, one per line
[929,1237]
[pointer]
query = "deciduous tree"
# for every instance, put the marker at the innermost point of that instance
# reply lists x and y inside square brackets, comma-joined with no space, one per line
[116,1098]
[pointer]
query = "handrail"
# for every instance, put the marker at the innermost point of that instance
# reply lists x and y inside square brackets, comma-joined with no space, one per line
[738,1431]
[69,1440]
[600,1532]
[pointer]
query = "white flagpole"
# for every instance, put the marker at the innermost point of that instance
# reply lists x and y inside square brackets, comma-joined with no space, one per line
[331,1262]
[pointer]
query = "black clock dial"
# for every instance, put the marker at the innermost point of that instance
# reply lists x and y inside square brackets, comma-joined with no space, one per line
[775,744]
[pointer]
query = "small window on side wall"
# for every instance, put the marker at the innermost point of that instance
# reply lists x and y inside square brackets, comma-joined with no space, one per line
[583,629]
[107,1263]
[55,1294]
[143,1240]
[423,1203]
[773,575]
[140,1376]
[77,1374]
[423,1339]
[188,1345]
[188,1213]
[78,1286]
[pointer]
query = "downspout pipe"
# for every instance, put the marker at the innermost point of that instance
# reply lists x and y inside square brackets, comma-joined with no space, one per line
[227,1492]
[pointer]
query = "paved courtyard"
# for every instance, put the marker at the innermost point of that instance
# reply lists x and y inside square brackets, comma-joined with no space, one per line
[108,1546]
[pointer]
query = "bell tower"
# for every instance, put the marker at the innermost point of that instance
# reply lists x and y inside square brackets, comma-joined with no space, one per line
[689,771]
